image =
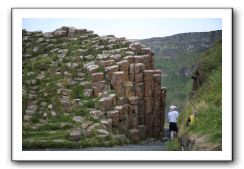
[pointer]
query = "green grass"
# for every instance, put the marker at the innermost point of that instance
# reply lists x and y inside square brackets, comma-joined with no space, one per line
[207,101]
[173,145]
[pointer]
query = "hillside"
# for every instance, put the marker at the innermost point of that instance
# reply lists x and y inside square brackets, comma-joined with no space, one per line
[177,57]
[205,131]
[82,90]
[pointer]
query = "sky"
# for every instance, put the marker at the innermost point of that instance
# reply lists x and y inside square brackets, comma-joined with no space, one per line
[129,28]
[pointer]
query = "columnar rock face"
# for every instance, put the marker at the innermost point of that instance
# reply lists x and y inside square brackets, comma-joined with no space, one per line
[108,80]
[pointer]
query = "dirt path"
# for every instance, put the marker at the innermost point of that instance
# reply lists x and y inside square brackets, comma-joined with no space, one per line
[156,146]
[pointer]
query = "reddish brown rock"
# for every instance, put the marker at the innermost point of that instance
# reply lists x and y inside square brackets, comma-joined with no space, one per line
[88,92]
[148,105]
[148,75]
[139,89]
[117,78]
[114,115]
[106,103]
[129,89]
[130,59]
[109,70]
[142,132]
[97,77]
[98,87]
[106,63]
[119,90]
[139,77]
[139,59]
[134,135]
[123,65]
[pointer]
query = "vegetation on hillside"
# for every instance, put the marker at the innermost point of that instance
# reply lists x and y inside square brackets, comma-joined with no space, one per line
[205,132]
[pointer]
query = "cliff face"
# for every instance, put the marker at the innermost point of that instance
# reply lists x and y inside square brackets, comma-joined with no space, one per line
[80,90]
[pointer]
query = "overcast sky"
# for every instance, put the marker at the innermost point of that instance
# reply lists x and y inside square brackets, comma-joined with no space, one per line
[129,28]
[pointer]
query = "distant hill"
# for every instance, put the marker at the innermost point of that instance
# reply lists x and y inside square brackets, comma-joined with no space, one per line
[177,57]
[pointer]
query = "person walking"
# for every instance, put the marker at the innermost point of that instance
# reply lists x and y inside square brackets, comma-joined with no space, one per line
[172,117]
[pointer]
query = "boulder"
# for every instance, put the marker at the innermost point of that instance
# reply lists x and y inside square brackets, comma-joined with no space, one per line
[106,103]
[75,135]
[129,89]
[139,59]
[117,78]
[78,119]
[88,92]
[119,90]
[114,115]
[116,57]
[123,65]
[97,114]
[106,63]
[139,89]
[138,78]
[142,132]
[102,131]
[97,77]
[109,70]
[134,135]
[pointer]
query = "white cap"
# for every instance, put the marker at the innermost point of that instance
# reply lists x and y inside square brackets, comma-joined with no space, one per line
[172,107]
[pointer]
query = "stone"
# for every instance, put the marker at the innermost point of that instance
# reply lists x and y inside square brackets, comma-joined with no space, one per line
[116,57]
[53,114]
[134,135]
[50,106]
[129,89]
[139,77]
[96,114]
[106,103]
[85,65]
[107,124]
[117,78]
[130,59]
[98,87]
[85,125]
[114,98]
[75,135]
[27,118]
[78,119]
[139,89]
[114,115]
[134,100]
[139,59]
[92,69]
[123,100]
[97,77]
[106,63]
[119,90]
[88,92]
[148,105]
[103,56]
[109,70]
[148,75]
[89,57]
[142,132]
[123,65]
[102,131]
[85,84]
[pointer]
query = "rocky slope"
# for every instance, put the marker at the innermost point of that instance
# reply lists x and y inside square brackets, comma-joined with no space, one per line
[83,90]
[177,57]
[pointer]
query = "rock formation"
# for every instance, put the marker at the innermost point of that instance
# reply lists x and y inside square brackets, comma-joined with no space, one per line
[107,85]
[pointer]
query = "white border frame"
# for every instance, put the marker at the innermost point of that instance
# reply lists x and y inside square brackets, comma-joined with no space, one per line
[19,155]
